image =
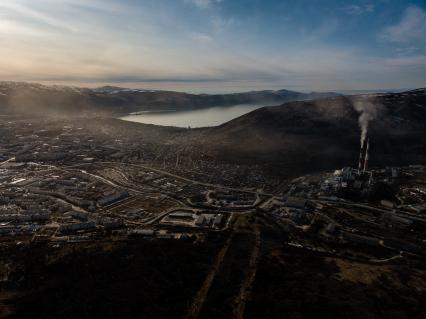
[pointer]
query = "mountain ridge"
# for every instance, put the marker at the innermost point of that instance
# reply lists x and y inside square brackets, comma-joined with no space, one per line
[16,97]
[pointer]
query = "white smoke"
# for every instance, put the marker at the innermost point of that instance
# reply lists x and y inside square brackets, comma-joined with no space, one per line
[368,111]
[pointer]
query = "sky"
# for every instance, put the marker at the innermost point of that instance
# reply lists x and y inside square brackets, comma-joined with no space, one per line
[216,45]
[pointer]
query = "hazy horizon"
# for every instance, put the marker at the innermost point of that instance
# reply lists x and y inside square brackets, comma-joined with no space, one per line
[196,89]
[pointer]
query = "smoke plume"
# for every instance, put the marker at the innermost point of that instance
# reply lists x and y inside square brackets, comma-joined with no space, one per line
[368,111]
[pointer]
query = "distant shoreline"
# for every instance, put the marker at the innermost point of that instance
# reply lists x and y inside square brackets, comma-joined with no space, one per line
[153,111]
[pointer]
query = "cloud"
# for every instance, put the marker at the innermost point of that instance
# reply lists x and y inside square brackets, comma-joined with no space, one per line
[203,4]
[98,5]
[221,24]
[164,45]
[404,51]
[326,28]
[411,28]
[201,37]
[36,15]
[369,8]
[8,27]
[308,70]
[56,16]
[407,61]
[354,9]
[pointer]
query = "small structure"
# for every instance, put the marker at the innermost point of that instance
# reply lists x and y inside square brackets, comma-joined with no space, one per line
[76,227]
[296,202]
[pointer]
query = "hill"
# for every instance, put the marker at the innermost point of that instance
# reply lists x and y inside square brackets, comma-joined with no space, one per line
[18,97]
[304,136]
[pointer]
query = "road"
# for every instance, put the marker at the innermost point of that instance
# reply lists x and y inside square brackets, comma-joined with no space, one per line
[200,297]
[160,171]
[245,290]
[9,160]
[258,201]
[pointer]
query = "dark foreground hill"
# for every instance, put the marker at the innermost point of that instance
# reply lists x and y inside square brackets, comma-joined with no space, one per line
[309,135]
[36,98]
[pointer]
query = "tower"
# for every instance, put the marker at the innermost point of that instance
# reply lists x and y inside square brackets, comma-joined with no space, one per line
[362,150]
[367,155]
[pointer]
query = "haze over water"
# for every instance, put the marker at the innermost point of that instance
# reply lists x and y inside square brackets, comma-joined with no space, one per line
[197,118]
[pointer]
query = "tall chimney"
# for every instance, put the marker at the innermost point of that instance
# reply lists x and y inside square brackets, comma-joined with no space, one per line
[360,164]
[367,156]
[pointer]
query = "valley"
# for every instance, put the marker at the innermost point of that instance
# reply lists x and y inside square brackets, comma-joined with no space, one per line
[267,213]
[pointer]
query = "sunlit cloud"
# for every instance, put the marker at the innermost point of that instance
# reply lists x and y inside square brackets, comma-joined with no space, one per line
[8,27]
[25,11]
[412,27]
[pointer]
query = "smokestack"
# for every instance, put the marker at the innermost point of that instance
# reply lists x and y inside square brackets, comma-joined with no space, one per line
[370,180]
[367,155]
[360,164]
